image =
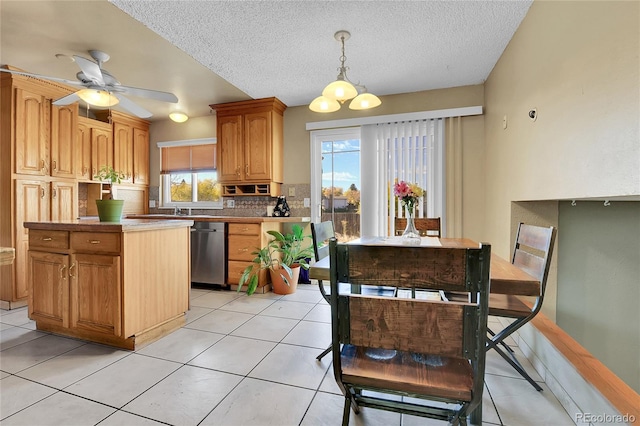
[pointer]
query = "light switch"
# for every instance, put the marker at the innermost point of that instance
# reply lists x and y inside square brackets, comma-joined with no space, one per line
[307,202]
[152,204]
[292,191]
[231,204]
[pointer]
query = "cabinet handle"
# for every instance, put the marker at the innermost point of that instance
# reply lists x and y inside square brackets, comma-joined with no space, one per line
[238,171]
[62,268]
[85,170]
[41,192]
[55,166]
[55,190]
[41,164]
[94,171]
[73,265]
[94,241]
[246,169]
[244,249]
[47,239]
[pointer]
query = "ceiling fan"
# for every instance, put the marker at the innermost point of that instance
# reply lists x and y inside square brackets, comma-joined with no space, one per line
[101,88]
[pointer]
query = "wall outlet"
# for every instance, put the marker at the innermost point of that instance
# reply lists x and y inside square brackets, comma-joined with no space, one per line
[307,202]
[152,204]
[292,191]
[231,204]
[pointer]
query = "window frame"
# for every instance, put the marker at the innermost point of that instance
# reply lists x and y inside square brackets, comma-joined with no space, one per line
[165,180]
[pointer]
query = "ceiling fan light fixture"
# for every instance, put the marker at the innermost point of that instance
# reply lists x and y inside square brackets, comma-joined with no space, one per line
[178,116]
[324,104]
[96,97]
[342,89]
[365,101]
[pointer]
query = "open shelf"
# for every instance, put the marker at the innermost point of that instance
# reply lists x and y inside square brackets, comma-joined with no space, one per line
[271,189]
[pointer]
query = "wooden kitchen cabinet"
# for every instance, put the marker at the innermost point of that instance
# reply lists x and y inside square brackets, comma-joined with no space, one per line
[101,147]
[249,146]
[130,146]
[49,301]
[242,240]
[64,134]
[32,132]
[117,284]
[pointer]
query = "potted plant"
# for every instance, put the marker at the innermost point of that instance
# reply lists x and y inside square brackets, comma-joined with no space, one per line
[283,256]
[109,209]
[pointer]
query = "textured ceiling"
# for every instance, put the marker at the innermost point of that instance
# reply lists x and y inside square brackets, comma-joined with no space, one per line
[263,48]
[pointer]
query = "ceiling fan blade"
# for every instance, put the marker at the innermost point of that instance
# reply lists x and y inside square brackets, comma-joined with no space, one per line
[90,69]
[44,77]
[67,100]
[151,94]
[132,107]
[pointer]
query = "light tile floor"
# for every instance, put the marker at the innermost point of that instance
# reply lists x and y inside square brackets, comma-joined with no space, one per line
[239,360]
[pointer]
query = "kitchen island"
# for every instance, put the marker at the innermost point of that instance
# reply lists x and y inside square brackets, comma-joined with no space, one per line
[123,284]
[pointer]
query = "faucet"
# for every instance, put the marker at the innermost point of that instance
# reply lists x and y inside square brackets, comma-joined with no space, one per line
[176,211]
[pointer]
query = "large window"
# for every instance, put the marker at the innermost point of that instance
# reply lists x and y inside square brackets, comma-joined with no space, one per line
[189,176]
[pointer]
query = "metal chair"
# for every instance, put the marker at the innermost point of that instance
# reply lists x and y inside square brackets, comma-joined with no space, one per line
[388,346]
[532,253]
[321,233]
[427,226]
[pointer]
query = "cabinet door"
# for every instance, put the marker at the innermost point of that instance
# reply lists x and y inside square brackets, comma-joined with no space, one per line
[83,150]
[141,156]
[32,133]
[123,150]
[95,293]
[32,205]
[49,288]
[64,200]
[230,149]
[64,123]
[257,146]
[101,150]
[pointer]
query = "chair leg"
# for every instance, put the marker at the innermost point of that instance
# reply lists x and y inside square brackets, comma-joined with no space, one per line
[326,351]
[476,415]
[513,361]
[507,347]
[346,411]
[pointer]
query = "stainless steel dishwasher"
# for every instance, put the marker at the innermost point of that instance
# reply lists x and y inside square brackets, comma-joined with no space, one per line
[208,253]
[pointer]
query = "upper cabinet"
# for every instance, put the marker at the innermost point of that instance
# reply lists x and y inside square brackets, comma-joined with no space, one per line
[249,146]
[64,134]
[32,112]
[130,146]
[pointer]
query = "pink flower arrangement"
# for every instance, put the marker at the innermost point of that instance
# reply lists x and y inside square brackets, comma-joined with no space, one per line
[408,193]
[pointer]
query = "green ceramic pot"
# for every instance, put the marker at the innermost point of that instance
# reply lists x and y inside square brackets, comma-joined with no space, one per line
[110,210]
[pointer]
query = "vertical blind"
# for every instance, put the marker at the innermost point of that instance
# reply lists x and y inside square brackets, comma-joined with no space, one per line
[412,151]
[188,158]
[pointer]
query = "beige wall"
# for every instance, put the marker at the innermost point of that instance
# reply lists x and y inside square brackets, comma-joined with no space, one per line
[578,64]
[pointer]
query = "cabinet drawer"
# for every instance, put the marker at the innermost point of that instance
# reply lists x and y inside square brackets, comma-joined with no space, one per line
[241,247]
[48,239]
[245,229]
[235,270]
[101,242]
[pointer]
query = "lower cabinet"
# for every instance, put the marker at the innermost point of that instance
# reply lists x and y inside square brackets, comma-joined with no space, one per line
[123,289]
[94,294]
[75,290]
[244,239]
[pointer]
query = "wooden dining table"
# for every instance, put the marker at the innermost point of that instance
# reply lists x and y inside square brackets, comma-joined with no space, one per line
[505,277]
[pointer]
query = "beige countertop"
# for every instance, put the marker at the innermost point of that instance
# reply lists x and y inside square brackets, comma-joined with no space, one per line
[94,225]
[227,219]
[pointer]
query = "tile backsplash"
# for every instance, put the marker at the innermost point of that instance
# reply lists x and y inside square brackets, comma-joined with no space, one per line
[250,206]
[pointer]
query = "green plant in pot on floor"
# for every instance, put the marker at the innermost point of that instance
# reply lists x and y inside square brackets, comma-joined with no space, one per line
[109,209]
[283,256]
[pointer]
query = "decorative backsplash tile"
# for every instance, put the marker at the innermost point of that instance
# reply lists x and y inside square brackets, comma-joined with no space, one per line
[250,206]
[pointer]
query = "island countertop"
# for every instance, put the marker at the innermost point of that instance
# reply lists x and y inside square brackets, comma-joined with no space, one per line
[94,225]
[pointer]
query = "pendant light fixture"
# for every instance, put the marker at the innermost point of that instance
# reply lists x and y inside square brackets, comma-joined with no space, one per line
[341,90]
